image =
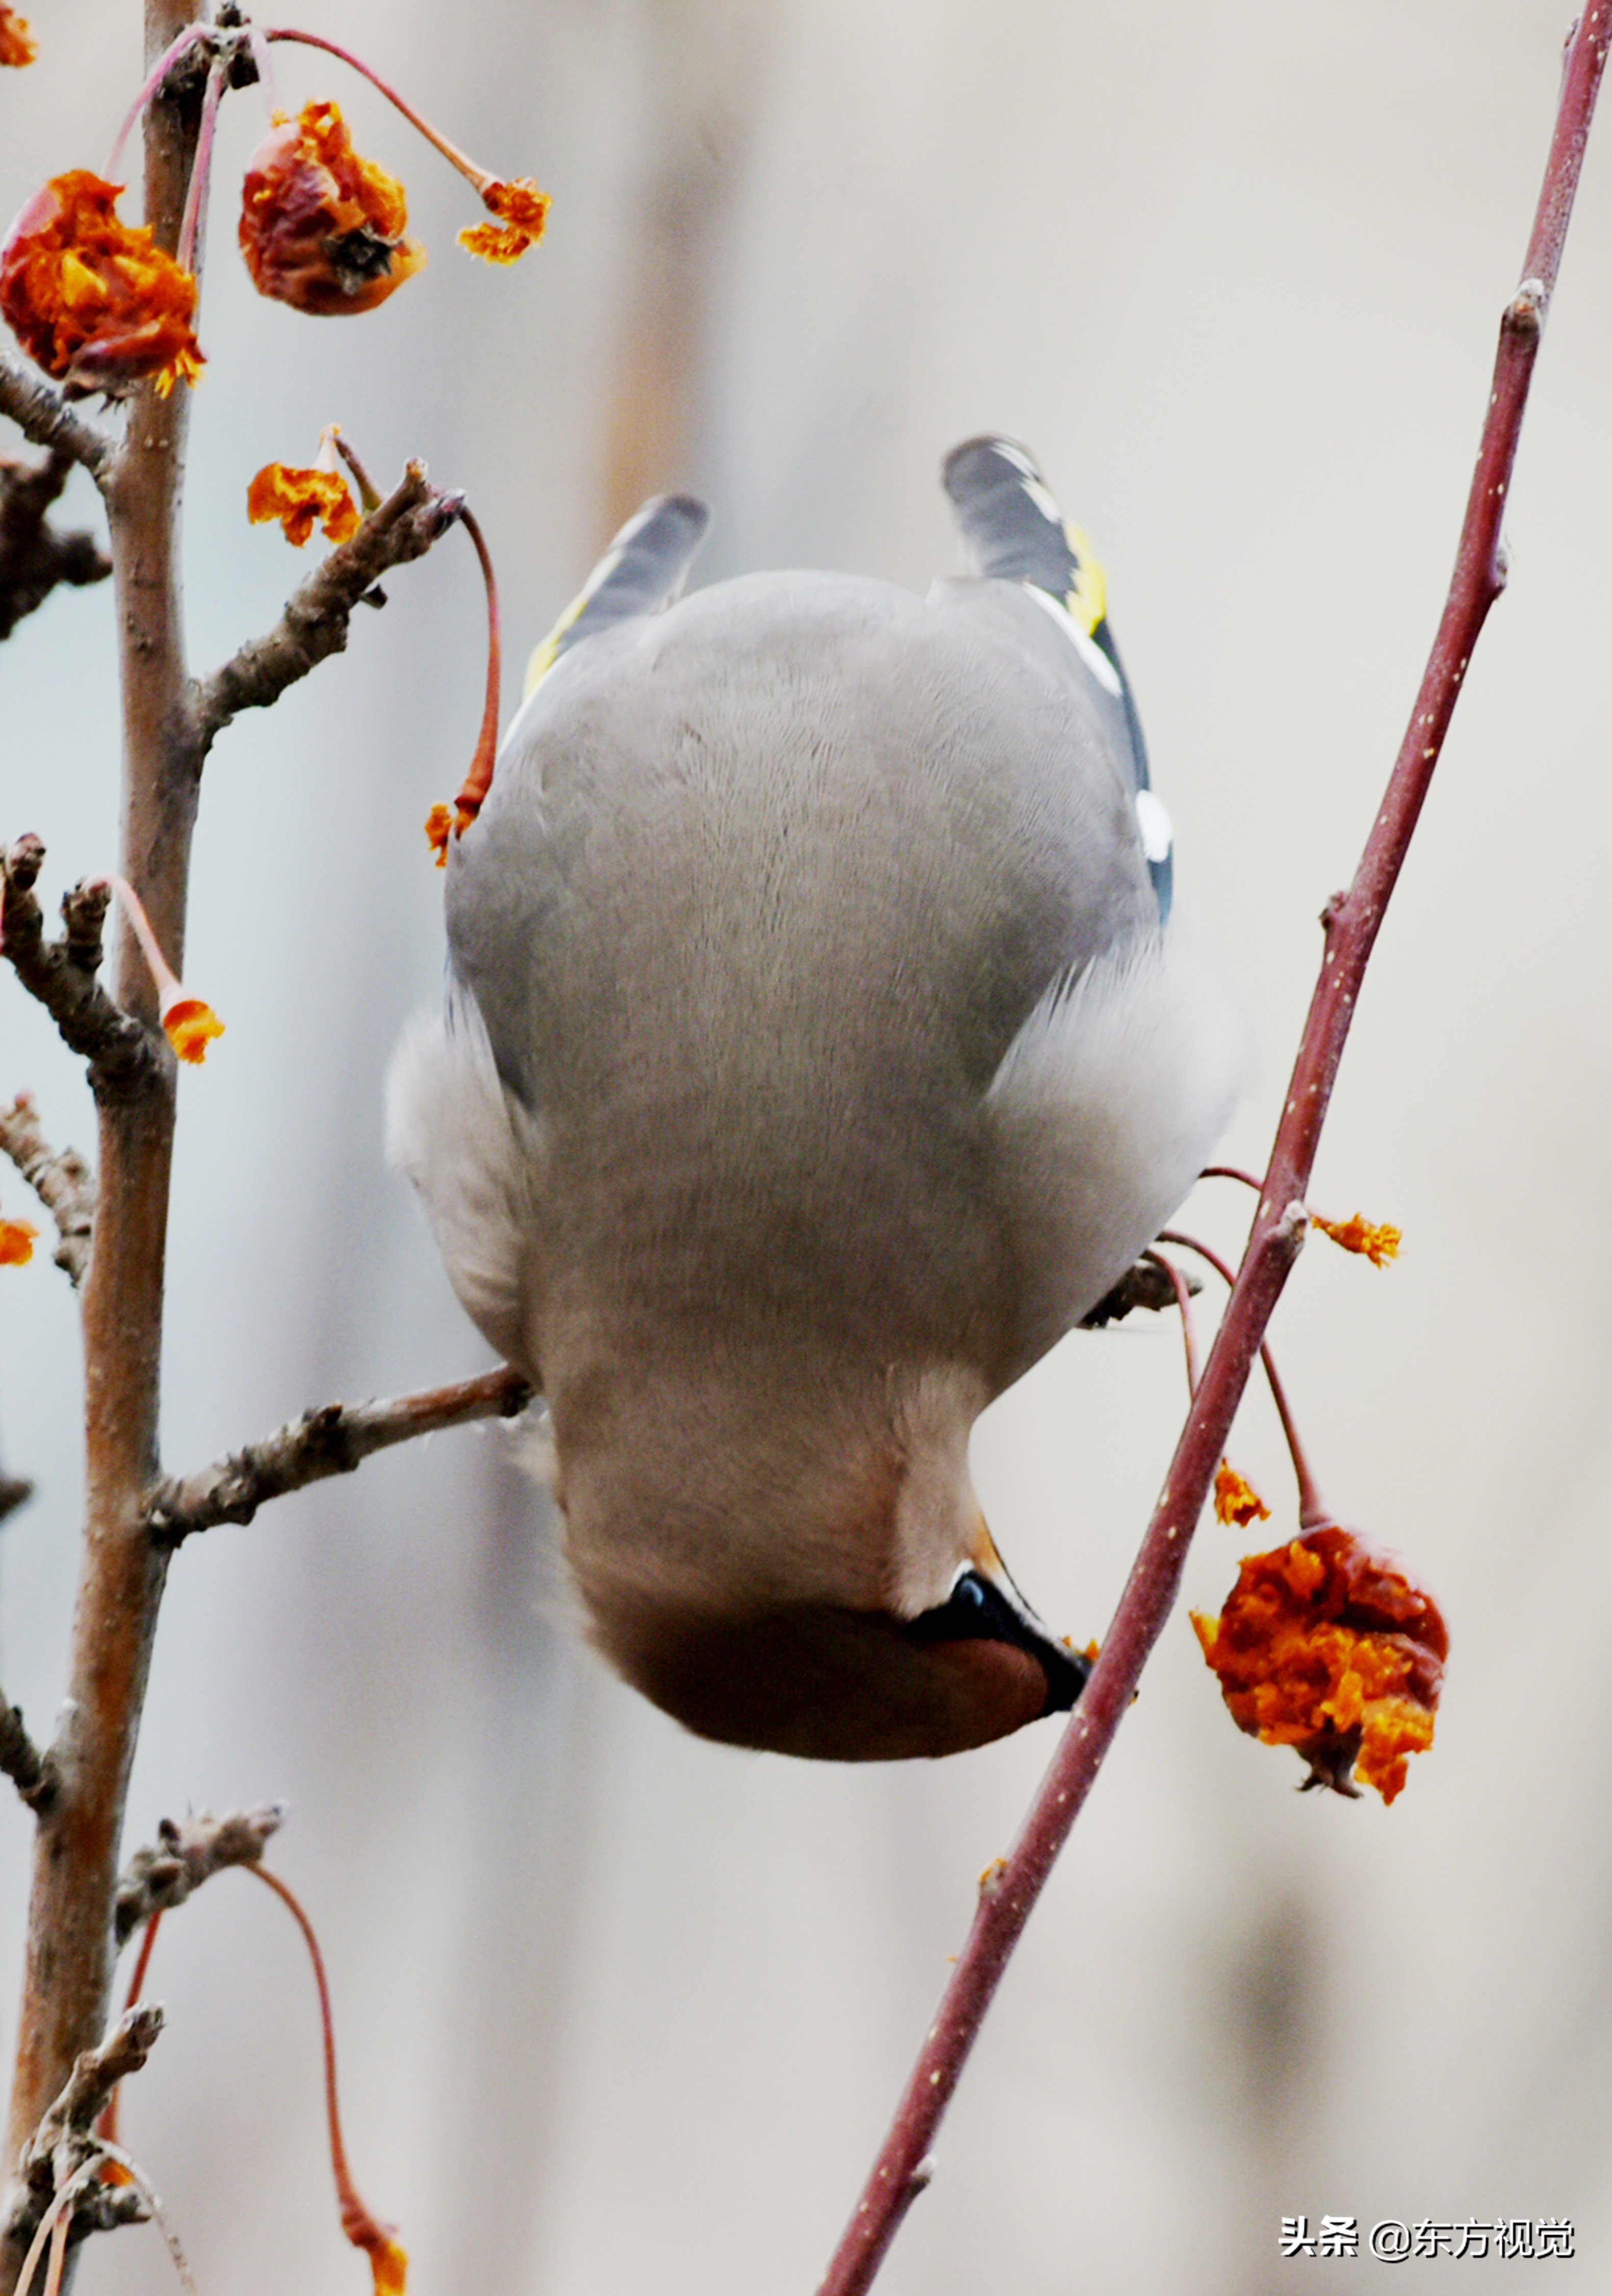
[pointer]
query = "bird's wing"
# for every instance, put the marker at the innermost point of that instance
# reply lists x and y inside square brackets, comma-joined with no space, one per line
[811,909]
[1118,1081]
[476,1153]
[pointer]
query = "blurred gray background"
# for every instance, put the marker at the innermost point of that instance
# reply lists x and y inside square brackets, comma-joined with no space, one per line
[621,2011]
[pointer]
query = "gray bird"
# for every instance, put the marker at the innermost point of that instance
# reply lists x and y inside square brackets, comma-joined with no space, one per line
[817,1049]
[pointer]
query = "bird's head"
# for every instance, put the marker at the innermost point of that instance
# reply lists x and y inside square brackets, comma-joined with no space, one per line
[841,1599]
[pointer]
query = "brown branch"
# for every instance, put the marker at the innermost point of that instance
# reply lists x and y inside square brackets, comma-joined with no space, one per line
[1011,1888]
[34,558]
[60,1179]
[15,1491]
[63,973]
[65,2143]
[185,1855]
[68,1971]
[43,415]
[332,1440]
[29,1771]
[314,625]
[70,2120]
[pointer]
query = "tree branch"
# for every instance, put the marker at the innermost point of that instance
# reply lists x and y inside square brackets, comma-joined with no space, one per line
[34,558]
[66,1973]
[45,416]
[159,1878]
[61,973]
[314,625]
[1010,1889]
[60,1179]
[65,2143]
[329,1441]
[29,1771]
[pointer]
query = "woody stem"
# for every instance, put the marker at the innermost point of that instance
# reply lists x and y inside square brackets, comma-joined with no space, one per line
[68,1969]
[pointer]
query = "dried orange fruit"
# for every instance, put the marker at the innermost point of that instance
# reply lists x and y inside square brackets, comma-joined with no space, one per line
[1328,1645]
[322,228]
[301,500]
[91,300]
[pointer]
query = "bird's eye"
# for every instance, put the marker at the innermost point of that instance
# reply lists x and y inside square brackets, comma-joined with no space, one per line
[968,1594]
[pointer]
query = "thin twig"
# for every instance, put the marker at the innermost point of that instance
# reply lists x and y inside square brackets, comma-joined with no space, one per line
[60,1179]
[63,973]
[45,416]
[1312,1509]
[30,1771]
[1176,1277]
[106,2126]
[479,176]
[186,1855]
[57,2265]
[192,36]
[34,557]
[55,2222]
[200,170]
[329,1441]
[1351,924]
[359,2222]
[95,2074]
[315,622]
[110,2150]
[65,2146]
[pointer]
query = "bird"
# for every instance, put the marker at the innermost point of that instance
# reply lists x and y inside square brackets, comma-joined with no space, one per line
[819,1046]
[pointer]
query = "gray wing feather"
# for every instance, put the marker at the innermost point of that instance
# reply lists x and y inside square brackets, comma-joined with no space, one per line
[1016,533]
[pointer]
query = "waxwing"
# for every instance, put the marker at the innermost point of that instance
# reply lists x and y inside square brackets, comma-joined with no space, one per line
[818,1048]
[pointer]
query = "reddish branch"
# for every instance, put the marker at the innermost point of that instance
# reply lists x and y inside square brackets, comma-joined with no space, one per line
[332,1440]
[1351,923]
[359,2222]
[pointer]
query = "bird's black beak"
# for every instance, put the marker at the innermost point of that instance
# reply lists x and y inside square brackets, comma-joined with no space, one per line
[977,1609]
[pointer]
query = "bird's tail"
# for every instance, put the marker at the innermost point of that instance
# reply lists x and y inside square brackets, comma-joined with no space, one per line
[643,570]
[1014,531]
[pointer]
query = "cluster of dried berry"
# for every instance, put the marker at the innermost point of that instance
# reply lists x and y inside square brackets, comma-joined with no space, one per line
[1328,1645]
[99,305]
